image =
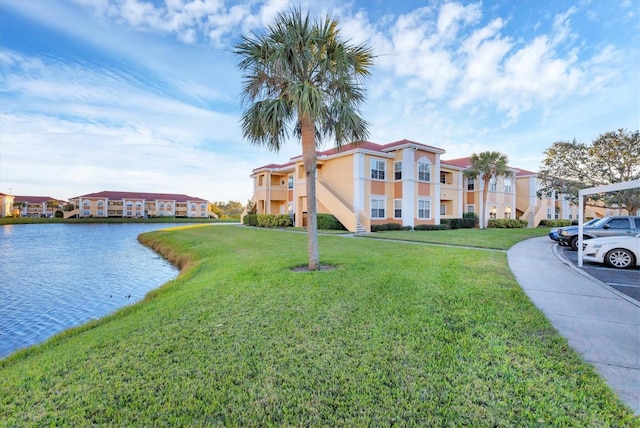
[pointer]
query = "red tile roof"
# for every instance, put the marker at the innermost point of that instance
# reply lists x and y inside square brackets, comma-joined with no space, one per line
[35,199]
[141,195]
[459,162]
[523,172]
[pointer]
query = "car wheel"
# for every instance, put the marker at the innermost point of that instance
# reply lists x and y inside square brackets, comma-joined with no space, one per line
[574,243]
[619,258]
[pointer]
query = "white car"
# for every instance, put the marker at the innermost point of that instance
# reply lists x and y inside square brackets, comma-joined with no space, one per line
[616,251]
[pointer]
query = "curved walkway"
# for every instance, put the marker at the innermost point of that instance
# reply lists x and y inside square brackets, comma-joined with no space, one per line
[599,322]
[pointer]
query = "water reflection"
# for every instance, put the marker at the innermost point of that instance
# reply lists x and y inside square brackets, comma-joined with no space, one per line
[56,276]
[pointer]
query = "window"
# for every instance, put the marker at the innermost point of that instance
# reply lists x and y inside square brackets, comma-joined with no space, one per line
[86,203]
[397,208]
[377,169]
[397,171]
[557,215]
[618,223]
[129,204]
[138,204]
[443,209]
[203,206]
[471,184]
[492,213]
[193,206]
[424,170]
[507,212]
[377,208]
[570,216]
[86,213]
[443,178]
[507,186]
[424,209]
[261,180]
[161,205]
[100,203]
[549,213]
[290,185]
[492,184]
[471,208]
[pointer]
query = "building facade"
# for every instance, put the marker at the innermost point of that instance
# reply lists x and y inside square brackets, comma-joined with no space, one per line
[404,182]
[139,205]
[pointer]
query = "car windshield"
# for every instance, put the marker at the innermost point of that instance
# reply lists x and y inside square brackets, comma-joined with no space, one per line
[599,222]
[592,221]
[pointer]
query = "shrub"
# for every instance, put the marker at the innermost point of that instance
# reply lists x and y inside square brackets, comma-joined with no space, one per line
[555,223]
[250,220]
[431,227]
[58,214]
[329,222]
[455,223]
[507,223]
[273,220]
[387,226]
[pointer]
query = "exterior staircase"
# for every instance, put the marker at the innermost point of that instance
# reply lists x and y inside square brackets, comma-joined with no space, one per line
[341,209]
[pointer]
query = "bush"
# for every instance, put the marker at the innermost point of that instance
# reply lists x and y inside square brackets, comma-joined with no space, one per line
[329,222]
[431,227]
[273,220]
[555,223]
[456,223]
[387,226]
[507,223]
[250,220]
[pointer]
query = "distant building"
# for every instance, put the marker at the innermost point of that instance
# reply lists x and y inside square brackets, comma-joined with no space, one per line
[139,205]
[36,206]
[6,205]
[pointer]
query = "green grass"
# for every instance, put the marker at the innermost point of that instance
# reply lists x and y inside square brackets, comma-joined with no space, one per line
[396,334]
[500,239]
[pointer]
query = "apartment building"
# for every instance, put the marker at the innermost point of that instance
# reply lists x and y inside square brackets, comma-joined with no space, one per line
[361,184]
[403,182]
[36,206]
[139,205]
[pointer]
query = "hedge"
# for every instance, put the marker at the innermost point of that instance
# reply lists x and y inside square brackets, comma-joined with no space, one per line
[329,222]
[555,223]
[250,220]
[507,223]
[273,220]
[459,223]
[431,227]
[388,226]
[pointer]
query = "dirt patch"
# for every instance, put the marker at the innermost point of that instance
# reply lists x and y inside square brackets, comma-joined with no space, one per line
[305,268]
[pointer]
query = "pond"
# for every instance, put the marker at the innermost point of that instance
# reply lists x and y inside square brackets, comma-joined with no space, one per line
[57,276]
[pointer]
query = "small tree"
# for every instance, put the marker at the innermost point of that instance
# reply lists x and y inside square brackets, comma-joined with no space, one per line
[487,165]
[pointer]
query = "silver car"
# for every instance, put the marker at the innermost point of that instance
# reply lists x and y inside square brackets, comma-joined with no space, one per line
[616,251]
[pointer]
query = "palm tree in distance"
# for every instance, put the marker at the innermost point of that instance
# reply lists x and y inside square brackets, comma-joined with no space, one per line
[487,165]
[300,78]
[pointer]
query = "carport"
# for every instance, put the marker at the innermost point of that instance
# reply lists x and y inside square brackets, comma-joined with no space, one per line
[633,184]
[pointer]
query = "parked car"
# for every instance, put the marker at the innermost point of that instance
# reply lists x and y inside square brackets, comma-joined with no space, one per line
[606,226]
[616,251]
[554,233]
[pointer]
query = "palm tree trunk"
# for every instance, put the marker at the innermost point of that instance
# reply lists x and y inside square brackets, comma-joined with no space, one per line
[309,159]
[485,192]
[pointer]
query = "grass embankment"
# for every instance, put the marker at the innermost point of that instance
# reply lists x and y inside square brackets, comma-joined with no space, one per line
[397,334]
[499,239]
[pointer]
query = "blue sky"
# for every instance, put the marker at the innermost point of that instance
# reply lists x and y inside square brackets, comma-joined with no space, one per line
[140,95]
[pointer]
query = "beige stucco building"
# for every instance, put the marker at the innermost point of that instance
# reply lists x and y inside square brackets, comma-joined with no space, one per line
[403,182]
[139,205]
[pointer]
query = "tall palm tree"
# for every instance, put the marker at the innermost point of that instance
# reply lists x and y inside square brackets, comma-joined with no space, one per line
[301,79]
[487,165]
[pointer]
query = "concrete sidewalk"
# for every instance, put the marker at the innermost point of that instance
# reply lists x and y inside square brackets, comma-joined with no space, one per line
[599,322]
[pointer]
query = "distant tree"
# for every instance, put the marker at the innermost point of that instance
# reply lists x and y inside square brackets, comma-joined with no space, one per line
[19,205]
[613,157]
[487,165]
[229,209]
[302,78]
[53,204]
[215,208]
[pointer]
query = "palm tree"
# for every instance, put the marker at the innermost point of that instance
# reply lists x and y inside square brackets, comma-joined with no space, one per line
[301,78]
[53,204]
[487,165]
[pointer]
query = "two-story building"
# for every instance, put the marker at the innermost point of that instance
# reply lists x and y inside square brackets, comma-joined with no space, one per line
[36,206]
[139,205]
[403,182]
[6,205]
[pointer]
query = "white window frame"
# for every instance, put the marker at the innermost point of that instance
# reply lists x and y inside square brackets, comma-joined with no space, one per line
[422,163]
[397,206]
[493,184]
[471,182]
[380,173]
[493,212]
[471,208]
[507,185]
[443,208]
[397,169]
[549,213]
[507,211]
[378,201]
[420,209]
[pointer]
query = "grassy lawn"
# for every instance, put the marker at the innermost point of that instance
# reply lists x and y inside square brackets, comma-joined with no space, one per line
[501,239]
[396,334]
